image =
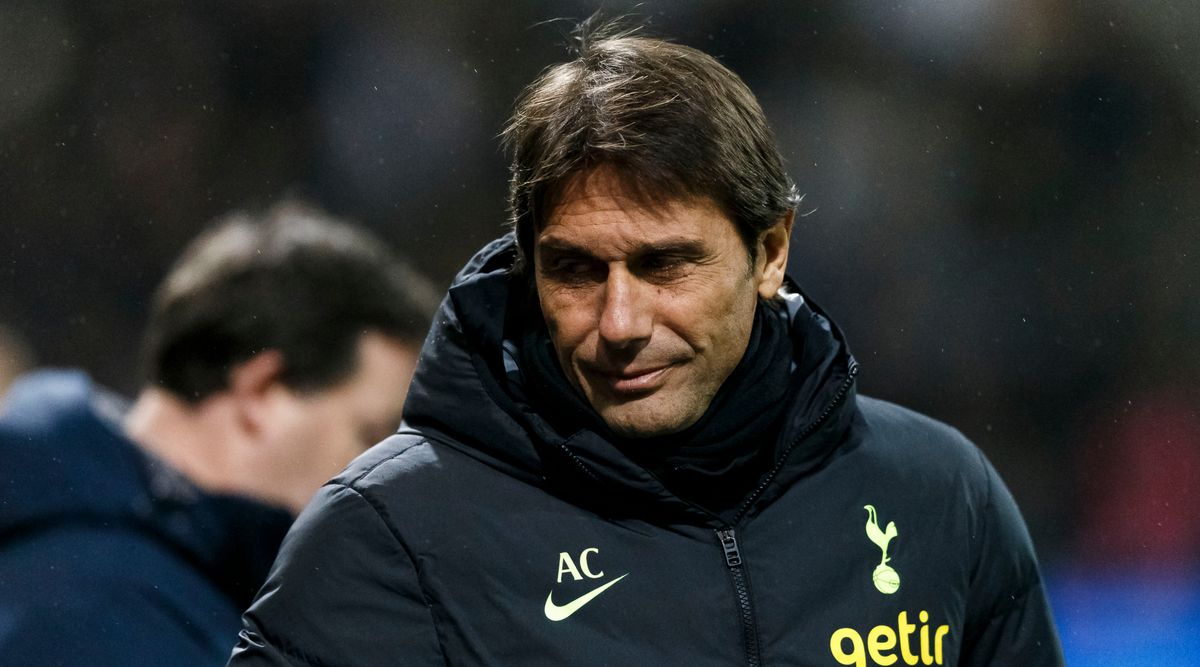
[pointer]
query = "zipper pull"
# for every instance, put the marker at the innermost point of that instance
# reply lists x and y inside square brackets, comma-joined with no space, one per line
[733,557]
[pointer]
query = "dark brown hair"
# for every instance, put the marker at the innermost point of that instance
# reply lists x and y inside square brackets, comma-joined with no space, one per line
[670,120]
[292,280]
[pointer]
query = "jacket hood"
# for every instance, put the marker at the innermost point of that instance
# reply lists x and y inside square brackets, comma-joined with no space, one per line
[64,459]
[465,394]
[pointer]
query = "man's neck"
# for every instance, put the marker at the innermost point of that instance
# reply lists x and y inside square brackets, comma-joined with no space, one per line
[197,440]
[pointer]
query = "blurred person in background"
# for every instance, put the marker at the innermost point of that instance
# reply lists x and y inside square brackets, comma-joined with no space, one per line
[666,460]
[278,349]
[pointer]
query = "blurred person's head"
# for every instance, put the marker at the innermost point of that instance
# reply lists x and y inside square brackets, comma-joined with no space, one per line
[16,357]
[652,214]
[278,348]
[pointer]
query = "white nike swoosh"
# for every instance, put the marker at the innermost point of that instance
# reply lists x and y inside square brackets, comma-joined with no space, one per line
[557,613]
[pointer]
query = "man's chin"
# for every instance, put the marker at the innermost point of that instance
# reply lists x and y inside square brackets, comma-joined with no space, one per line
[637,422]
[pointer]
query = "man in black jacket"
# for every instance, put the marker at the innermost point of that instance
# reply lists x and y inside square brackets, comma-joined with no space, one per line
[632,440]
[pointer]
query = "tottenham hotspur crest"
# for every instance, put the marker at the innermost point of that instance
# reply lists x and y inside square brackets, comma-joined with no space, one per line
[886,579]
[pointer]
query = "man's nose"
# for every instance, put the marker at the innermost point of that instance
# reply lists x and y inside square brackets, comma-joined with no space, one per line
[627,318]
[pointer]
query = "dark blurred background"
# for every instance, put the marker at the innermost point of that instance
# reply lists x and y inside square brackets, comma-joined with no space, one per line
[1001,210]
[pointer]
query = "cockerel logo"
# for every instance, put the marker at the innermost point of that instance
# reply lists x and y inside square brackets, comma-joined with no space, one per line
[886,579]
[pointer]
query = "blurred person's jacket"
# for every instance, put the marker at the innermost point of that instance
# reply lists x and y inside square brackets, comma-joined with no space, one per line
[486,533]
[99,536]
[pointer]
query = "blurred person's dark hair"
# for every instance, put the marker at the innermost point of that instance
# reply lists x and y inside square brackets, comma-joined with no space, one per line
[672,121]
[221,303]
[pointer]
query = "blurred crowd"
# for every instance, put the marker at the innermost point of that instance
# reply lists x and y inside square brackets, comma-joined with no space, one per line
[1001,196]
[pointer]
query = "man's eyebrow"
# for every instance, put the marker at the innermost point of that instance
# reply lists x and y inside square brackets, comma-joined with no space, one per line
[561,247]
[688,247]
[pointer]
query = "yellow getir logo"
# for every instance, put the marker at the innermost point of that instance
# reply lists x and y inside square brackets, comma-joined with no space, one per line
[882,642]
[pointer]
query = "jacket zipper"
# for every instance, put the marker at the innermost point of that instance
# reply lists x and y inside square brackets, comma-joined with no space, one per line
[808,430]
[741,587]
[728,537]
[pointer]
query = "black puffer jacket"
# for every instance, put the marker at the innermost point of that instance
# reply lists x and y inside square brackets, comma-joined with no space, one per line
[479,535]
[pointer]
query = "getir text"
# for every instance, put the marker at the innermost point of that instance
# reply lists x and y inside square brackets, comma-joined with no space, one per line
[849,647]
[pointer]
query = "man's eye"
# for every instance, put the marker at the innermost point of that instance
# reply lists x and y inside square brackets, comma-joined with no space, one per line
[663,265]
[573,269]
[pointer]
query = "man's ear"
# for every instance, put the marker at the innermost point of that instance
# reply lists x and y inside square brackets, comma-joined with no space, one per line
[773,253]
[251,384]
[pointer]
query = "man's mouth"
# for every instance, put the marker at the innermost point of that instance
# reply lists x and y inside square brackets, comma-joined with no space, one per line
[632,381]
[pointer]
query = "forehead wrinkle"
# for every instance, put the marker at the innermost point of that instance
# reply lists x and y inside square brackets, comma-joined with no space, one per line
[596,233]
[672,244]
[625,191]
[611,207]
[605,209]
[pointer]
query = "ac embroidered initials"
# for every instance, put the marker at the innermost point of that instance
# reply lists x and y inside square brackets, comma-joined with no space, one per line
[567,566]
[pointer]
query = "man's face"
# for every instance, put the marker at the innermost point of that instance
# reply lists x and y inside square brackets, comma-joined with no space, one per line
[319,433]
[649,310]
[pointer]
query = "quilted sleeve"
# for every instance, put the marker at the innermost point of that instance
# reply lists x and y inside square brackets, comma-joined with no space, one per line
[343,591]
[1008,616]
